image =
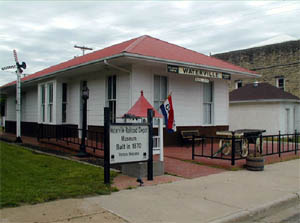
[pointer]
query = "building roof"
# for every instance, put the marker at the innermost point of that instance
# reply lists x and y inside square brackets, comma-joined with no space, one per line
[140,108]
[147,47]
[263,91]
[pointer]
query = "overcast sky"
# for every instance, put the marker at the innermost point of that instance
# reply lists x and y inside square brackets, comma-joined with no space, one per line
[44,32]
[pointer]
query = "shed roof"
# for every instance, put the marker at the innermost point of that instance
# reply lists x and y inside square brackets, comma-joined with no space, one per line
[139,109]
[263,91]
[145,46]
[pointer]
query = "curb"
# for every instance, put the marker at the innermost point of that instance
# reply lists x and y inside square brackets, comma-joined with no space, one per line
[247,214]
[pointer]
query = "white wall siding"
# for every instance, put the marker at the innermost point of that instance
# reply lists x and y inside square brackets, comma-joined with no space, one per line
[29,105]
[255,116]
[297,117]
[142,79]
[123,92]
[187,96]
[11,107]
[96,102]
[221,102]
[289,109]
[73,106]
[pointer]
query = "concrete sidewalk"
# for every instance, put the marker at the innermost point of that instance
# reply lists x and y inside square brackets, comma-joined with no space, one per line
[224,197]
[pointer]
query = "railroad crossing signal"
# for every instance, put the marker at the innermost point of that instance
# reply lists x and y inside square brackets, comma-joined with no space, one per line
[9,67]
[19,66]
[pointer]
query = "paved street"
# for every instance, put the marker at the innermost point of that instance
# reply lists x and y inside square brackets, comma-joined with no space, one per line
[289,213]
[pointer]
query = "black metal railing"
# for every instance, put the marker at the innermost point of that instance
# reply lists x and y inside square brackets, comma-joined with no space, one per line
[236,148]
[281,143]
[71,135]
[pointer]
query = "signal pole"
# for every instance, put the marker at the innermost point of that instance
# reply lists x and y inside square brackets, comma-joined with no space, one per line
[18,105]
[18,93]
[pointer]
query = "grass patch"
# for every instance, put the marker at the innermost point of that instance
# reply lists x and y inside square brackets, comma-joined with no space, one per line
[27,177]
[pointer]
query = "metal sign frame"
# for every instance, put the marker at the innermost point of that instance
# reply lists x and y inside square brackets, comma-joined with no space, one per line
[107,124]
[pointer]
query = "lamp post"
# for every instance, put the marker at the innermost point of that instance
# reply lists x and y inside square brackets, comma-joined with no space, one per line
[85,97]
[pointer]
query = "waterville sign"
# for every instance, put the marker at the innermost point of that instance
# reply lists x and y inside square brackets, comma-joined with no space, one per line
[129,143]
[197,72]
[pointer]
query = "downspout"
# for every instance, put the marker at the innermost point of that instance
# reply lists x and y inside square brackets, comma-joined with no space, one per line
[116,67]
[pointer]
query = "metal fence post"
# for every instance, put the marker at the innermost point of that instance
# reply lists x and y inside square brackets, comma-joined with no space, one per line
[233,149]
[261,144]
[279,144]
[296,141]
[150,160]
[193,147]
[106,146]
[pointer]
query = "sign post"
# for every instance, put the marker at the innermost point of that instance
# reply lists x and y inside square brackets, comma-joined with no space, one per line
[150,160]
[106,145]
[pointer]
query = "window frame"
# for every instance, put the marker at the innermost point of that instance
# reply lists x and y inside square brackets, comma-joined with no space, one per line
[43,102]
[64,102]
[237,83]
[209,104]
[161,99]
[278,83]
[50,95]
[47,106]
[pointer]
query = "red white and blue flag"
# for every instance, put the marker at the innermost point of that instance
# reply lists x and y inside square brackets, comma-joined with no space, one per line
[168,113]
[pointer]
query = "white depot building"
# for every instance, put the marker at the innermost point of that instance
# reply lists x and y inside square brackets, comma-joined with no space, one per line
[115,77]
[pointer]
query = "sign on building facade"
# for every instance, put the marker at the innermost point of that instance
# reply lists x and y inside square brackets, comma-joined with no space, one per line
[198,72]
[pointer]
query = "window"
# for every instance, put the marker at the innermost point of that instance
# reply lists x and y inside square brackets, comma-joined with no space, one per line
[111,96]
[238,84]
[208,103]
[50,102]
[43,96]
[64,102]
[280,82]
[160,90]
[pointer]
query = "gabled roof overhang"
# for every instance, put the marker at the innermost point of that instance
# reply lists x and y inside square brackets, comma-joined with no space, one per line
[136,57]
[265,101]
[192,65]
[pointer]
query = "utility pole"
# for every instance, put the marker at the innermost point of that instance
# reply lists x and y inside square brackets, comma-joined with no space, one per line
[83,48]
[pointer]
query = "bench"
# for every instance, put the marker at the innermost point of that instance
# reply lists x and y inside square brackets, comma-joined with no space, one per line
[187,136]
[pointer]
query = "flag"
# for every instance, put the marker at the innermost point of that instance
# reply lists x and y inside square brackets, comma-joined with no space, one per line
[168,113]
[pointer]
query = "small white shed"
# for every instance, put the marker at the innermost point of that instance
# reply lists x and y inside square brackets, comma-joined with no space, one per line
[263,106]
